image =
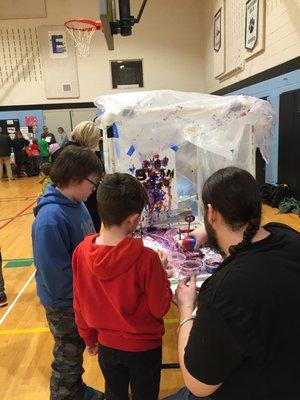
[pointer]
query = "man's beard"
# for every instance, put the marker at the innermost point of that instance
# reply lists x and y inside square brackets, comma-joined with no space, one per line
[212,239]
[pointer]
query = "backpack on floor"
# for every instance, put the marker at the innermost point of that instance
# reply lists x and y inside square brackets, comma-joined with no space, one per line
[273,195]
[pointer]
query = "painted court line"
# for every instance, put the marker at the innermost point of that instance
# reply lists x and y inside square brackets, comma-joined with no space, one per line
[170,321]
[46,329]
[17,298]
[25,330]
[15,216]
[17,259]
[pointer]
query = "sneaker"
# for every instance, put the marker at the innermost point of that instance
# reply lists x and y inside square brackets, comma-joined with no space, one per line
[92,394]
[3,300]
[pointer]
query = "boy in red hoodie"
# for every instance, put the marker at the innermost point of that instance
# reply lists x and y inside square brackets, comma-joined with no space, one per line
[121,293]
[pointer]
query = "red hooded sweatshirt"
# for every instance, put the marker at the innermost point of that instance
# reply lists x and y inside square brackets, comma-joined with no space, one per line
[121,294]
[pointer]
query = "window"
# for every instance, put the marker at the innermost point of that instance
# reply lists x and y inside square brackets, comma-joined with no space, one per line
[127,74]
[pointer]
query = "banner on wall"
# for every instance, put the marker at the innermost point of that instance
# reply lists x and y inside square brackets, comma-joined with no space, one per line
[251,24]
[31,120]
[57,44]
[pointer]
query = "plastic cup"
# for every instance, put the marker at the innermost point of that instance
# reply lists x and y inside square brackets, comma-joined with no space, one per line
[191,267]
[211,265]
[175,259]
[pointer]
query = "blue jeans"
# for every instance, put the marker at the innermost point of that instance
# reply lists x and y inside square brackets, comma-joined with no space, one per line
[185,394]
[44,160]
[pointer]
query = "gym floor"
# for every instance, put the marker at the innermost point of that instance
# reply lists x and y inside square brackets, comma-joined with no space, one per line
[26,344]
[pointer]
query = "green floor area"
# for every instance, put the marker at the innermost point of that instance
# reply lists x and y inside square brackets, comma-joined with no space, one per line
[26,262]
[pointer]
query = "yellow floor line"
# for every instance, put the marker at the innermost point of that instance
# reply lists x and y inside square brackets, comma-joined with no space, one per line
[26,330]
[167,321]
[171,321]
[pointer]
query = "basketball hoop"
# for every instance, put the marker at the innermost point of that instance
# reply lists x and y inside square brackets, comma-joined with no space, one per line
[82,31]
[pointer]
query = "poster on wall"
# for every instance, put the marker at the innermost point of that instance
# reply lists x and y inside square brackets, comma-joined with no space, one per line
[218,30]
[251,24]
[31,120]
[24,130]
[57,44]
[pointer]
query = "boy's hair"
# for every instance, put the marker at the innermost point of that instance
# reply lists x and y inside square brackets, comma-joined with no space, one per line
[86,134]
[43,135]
[119,196]
[52,140]
[45,168]
[74,163]
[35,141]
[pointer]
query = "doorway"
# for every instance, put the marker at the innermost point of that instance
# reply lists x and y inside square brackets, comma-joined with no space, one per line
[289,141]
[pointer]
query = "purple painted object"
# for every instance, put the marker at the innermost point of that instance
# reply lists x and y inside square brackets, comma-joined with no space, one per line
[189,243]
[175,259]
[191,267]
[211,264]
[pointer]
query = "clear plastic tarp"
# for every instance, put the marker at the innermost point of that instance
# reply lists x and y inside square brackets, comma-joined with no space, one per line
[183,136]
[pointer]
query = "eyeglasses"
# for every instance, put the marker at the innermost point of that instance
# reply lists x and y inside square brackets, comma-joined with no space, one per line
[95,184]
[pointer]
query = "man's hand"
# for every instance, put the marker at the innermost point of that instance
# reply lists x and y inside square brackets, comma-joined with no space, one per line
[186,297]
[200,235]
[163,258]
[92,350]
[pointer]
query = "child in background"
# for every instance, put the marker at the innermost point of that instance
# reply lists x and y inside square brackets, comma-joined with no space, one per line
[34,157]
[61,222]
[53,146]
[35,148]
[45,169]
[121,293]
[43,147]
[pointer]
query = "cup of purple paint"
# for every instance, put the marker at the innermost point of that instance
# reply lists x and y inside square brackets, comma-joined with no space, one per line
[175,259]
[211,264]
[191,267]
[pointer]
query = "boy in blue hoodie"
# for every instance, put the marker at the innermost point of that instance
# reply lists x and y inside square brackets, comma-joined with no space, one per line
[61,222]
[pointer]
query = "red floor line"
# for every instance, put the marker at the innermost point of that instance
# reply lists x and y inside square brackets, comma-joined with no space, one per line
[15,216]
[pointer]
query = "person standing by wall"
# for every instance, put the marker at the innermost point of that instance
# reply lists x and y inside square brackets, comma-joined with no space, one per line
[47,133]
[19,144]
[5,150]
[43,147]
[64,137]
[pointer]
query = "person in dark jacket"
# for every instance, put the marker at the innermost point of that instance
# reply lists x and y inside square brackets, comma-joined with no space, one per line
[86,134]
[5,150]
[19,144]
[242,343]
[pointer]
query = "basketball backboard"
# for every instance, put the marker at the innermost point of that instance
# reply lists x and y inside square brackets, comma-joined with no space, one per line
[107,17]
[113,26]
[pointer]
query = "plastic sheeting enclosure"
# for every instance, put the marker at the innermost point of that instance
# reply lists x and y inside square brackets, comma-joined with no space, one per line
[173,141]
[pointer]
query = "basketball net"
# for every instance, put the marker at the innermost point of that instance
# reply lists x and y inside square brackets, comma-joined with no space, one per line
[82,31]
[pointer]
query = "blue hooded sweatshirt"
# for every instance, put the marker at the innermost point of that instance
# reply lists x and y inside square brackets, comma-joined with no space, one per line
[59,226]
